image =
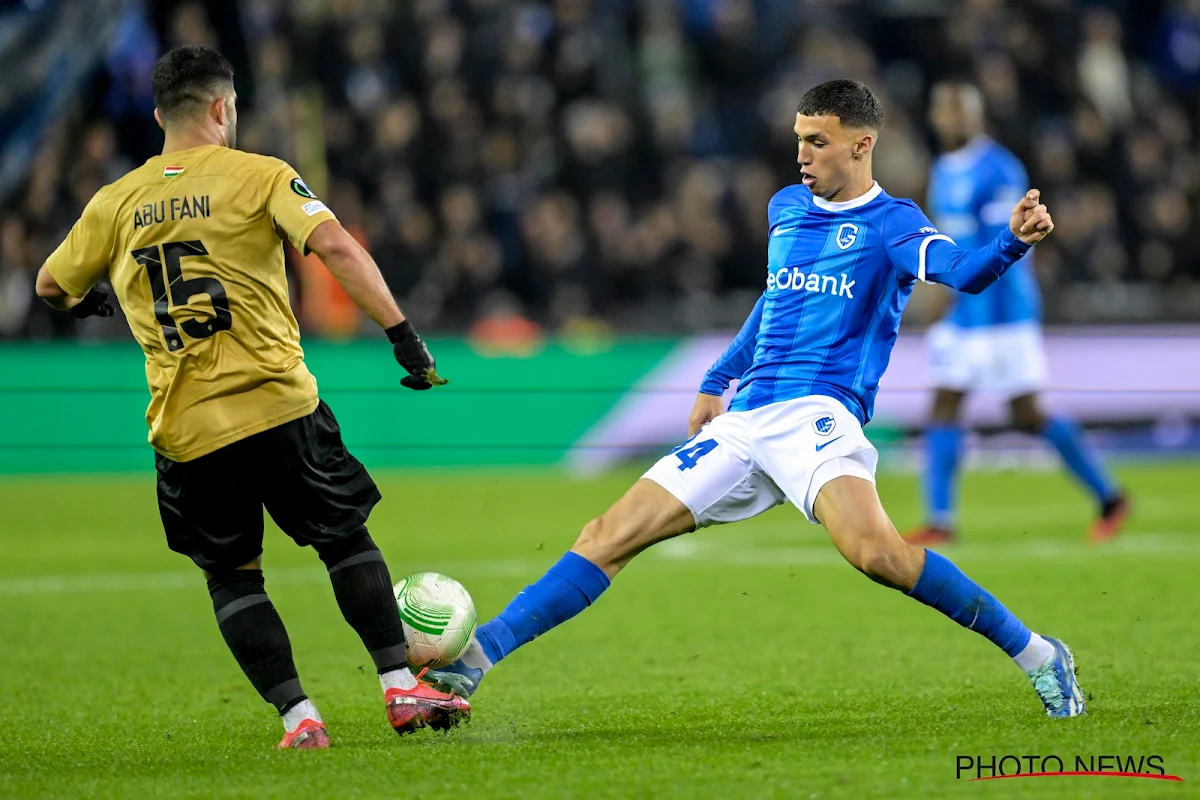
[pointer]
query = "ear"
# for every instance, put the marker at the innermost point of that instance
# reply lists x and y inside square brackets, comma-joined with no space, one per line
[158,118]
[218,111]
[863,145]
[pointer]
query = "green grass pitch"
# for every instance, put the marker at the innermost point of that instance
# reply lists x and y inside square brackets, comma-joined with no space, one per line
[741,661]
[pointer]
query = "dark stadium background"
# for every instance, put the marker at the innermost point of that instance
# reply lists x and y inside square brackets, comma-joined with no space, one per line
[583,164]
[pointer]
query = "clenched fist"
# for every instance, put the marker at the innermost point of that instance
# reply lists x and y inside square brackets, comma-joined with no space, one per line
[1031,221]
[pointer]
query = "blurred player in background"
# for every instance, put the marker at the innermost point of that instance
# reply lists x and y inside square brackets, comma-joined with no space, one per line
[843,257]
[191,242]
[990,341]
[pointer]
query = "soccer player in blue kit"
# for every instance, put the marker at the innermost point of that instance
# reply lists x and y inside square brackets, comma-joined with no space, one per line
[992,340]
[843,257]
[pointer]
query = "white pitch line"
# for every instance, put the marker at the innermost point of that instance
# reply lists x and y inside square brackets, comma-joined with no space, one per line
[677,553]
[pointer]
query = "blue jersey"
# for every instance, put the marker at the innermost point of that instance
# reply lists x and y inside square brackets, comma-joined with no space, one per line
[838,278]
[971,194]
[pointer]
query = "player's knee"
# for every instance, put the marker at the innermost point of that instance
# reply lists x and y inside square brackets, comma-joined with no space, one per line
[228,585]
[232,572]
[875,563]
[885,564]
[608,540]
[336,551]
[599,535]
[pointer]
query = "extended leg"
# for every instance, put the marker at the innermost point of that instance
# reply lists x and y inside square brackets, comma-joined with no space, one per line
[850,510]
[646,514]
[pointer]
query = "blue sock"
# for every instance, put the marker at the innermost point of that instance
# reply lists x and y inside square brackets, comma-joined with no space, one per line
[946,588]
[1067,439]
[567,588]
[943,444]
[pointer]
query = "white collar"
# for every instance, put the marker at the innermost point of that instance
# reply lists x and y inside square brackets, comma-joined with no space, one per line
[846,205]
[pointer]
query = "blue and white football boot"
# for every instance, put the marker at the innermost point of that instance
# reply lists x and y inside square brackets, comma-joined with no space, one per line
[461,678]
[1056,684]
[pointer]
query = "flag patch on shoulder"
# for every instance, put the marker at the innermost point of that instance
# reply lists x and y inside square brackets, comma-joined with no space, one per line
[171,172]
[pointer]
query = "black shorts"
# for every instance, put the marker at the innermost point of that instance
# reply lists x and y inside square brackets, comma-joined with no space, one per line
[317,493]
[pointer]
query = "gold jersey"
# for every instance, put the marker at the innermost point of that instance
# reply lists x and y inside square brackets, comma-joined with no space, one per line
[192,243]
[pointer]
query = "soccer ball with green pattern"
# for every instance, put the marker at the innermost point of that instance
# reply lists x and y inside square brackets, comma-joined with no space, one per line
[438,618]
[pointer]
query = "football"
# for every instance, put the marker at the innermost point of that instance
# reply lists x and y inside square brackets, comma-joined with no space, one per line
[438,618]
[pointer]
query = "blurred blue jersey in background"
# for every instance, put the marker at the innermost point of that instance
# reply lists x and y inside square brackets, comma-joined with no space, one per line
[972,192]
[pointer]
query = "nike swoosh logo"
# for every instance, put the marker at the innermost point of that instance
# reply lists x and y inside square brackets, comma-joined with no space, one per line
[821,447]
[778,231]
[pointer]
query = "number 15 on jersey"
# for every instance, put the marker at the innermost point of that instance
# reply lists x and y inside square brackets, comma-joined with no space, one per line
[174,290]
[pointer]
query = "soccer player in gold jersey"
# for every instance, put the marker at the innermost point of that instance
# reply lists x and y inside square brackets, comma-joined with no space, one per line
[191,242]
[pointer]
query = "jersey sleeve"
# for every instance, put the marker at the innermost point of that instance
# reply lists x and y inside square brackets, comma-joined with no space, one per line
[83,258]
[908,233]
[932,257]
[295,210]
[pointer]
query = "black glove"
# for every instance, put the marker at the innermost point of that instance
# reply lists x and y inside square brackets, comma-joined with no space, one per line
[412,354]
[94,304]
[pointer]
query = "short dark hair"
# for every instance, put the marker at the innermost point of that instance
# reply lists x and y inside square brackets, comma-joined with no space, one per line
[853,103]
[189,78]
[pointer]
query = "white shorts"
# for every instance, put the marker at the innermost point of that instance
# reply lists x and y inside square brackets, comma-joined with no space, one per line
[1006,359]
[746,462]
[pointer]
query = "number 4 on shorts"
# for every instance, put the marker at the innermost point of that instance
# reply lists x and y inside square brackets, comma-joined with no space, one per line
[688,456]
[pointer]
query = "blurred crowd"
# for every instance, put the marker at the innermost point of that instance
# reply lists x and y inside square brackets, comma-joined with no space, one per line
[521,167]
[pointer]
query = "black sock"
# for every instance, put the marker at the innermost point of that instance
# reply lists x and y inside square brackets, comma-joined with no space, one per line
[256,636]
[363,588]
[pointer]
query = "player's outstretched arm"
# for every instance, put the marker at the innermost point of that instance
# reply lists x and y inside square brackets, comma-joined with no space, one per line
[353,268]
[972,271]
